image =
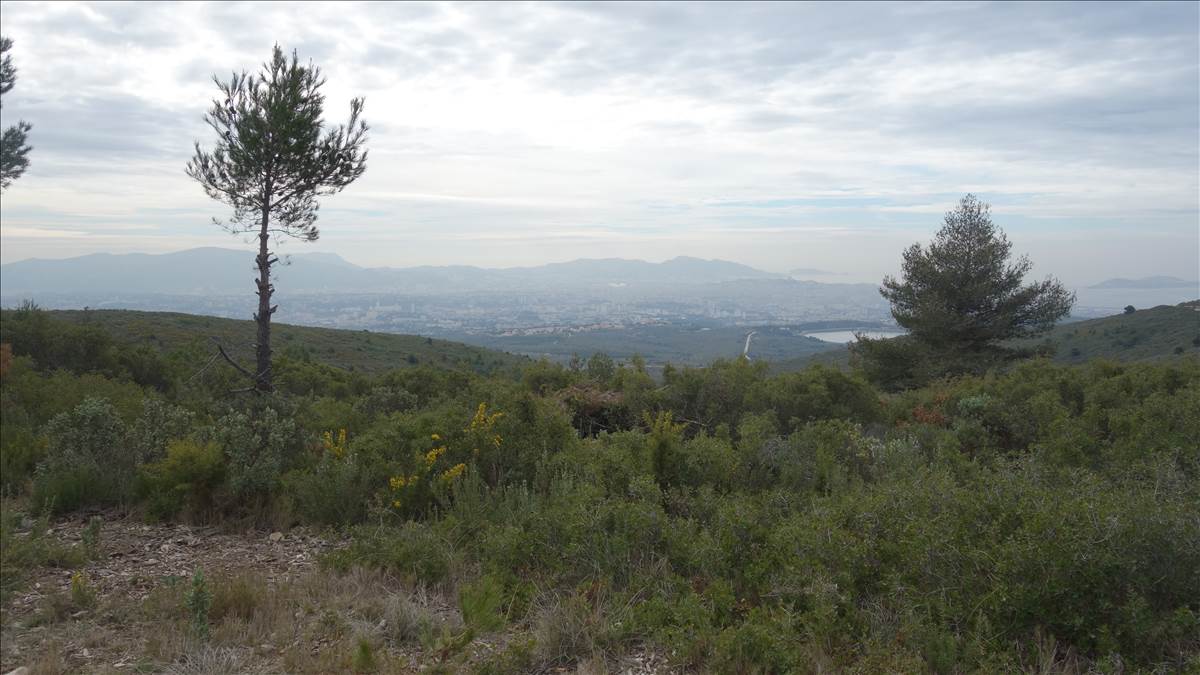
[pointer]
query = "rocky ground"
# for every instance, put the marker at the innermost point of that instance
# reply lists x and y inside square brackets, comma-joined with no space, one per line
[272,611]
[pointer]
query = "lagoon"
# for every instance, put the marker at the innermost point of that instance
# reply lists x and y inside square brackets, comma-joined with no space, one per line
[846,336]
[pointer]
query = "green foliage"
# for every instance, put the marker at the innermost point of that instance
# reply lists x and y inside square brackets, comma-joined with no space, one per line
[819,393]
[364,657]
[258,444]
[198,602]
[481,603]
[159,423]
[413,552]
[960,299]
[23,552]
[14,145]
[20,448]
[600,367]
[83,595]
[88,461]
[186,480]
[338,489]
[738,521]
[90,537]
[80,348]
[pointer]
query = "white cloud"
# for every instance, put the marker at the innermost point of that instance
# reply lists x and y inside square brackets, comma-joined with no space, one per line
[522,133]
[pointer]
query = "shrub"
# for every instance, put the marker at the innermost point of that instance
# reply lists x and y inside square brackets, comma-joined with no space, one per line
[20,449]
[258,444]
[20,555]
[198,602]
[413,551]
[186,480]
[83,595]
[482,604]
[88,461]
[159,423]
[337,490]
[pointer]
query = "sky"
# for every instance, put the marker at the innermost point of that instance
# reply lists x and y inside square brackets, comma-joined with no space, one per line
[783,136]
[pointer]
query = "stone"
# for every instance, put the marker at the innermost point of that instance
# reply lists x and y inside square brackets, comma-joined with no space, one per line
[276,536]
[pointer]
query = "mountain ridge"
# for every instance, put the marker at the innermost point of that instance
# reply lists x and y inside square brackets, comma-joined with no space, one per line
[1147,282]
[213,269]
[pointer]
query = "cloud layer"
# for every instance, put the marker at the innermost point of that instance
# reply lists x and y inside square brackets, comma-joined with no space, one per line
[779,135]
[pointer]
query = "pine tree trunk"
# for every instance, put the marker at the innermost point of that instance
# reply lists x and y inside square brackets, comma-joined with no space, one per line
[265,310]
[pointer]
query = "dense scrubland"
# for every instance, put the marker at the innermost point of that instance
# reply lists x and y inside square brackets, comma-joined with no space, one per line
[1042,518]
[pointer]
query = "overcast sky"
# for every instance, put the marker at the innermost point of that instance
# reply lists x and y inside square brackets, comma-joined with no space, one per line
[778,135]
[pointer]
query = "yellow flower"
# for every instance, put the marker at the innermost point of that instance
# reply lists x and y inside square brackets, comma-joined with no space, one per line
[433,455]
[453,472]
[435,437]
[336,448]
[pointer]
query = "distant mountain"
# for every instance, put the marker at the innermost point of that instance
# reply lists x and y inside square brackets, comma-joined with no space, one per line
[223,271]
[1148,282]
[812,272]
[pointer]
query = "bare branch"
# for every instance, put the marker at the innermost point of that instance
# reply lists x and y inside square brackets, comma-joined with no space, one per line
[240,369]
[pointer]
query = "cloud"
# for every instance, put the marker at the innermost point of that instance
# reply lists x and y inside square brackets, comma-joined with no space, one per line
[636,124]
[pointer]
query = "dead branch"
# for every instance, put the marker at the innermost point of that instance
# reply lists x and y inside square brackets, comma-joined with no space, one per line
[240,369]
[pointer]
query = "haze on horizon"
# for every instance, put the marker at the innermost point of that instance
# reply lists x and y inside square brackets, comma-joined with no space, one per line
[776,135]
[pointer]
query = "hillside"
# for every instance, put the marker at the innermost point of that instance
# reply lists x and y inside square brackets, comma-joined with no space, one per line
[680,345]
[351,350]
[1152,334]
[1145,335]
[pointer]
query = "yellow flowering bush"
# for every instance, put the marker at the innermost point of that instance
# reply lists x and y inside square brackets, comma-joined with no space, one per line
[335,446]
[434,472]
[484,441]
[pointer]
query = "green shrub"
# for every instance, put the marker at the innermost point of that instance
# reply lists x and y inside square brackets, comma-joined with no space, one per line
[20,449]
[159,423]
[414,552]
[364,657]
[198,602]
[482,604]
[88,461]
[258,444]
[187,480]
[22,553]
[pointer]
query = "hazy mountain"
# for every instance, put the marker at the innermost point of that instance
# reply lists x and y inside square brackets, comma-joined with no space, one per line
[216,270]
[1148,282]
[812,272]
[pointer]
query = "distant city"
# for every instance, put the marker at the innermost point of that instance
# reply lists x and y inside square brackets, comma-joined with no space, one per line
[523,310]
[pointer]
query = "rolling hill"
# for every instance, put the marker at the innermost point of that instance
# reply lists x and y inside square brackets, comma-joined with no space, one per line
[1162,332]
[1144,335]
[660,344]
[347,349]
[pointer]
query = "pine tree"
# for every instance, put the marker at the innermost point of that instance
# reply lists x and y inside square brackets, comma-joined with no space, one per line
[14,147]
[272,159]
[961,299]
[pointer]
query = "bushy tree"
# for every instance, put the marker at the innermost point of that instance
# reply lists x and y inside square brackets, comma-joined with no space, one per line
[272,159]
[14,148]
[961,299]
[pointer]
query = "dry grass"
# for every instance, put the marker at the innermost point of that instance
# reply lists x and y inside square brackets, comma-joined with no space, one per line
[315,624]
